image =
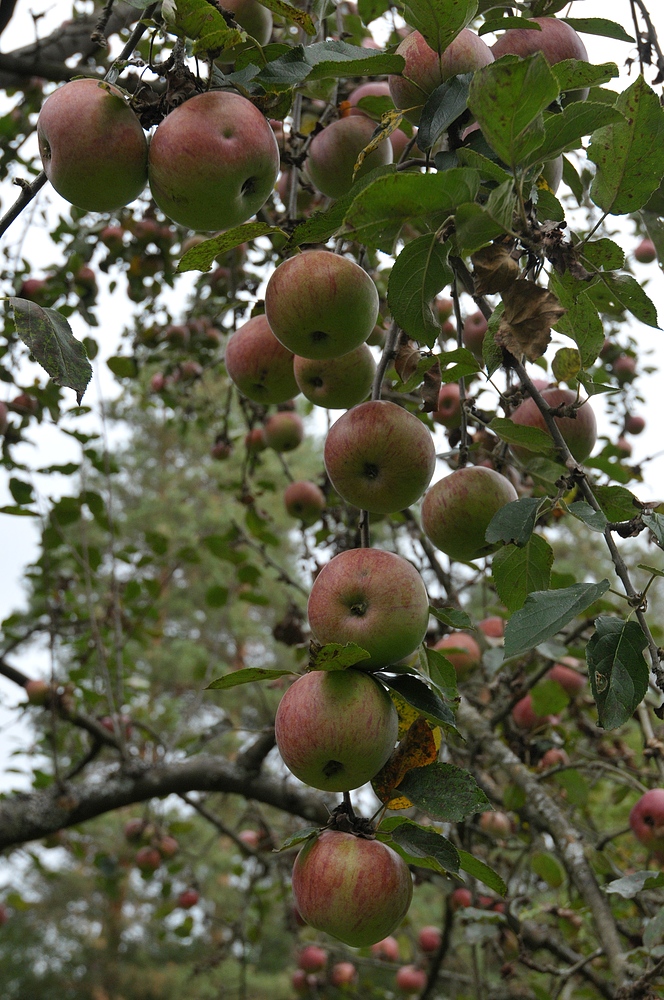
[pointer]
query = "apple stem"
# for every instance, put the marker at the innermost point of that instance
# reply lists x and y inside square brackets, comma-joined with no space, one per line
[348,805]
[365,540]
[464,445]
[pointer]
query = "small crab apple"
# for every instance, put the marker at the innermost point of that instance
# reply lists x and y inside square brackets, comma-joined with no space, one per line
[312,958]
[634,424]
[333,154]
[301,981]
[284,431]
[259,365]
[409,979]
[167,846]
[448,409]
[355,889]
[429,939]
[187,899]
[460,898]
[387,949]
[133,829]
[343,974]
[336,383]
[645,252]
[148,859]
[462,650]
[221,449]
[647,819]
[305,501]
[496,824]
[624,368]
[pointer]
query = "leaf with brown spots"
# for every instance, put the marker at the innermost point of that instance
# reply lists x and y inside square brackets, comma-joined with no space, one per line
[407,357]
[494,269]
[418,748]
[431,388]
[530,312]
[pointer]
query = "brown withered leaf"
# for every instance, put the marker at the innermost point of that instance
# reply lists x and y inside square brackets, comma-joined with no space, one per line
[407,357]
[530,312]
[388,124]
[418,747]
[494,268]
[430,388]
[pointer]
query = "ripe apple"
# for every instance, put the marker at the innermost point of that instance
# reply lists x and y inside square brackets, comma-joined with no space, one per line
[38,692]
[579,432]
[460,898]
[301,981]
[250,837]
[167,846]
[335,729]
[255,441]
[387,949]
[333,154]
[429,939]
[647,819]
[148,859]
[312,958]
[646,252]
[284,431]
[221,449]
[448,410]
[634,424]
[462,650]
[259,365]
[624,368]
[492,627]
[569,679]
[373,598]
[410,979]
[425,69]
[445,309]
[552,758]
[33,289]
[93,149]
[496,824]
[474,328]
[305,501]
[374,88]
[24,404]
[213,161]
[158,382]
[336,383]
[355,889]
[525,717]
[187,899]
[320,304]
[343,974]
[379,457]
[133,829]
[556,41]
[456,511]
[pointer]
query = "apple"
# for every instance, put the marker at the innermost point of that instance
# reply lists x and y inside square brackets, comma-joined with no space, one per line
[255,441]
[92,146]
[333,154]
[335,729]
[445,309]
[552,758]
[356,889]
[496,824]
[320,304]
[113,238]
[462,650]
[300,981]
[32,288]
[624,368]
[387,949]
[158,382]
[213,161]
[336,383]
[425,69]
[167,846]
[312,958]
[524,716]
[647,819]
[379,457]
[305,501]
[569,679]
[250,837]
[148,859]
[552,173]
[284,431]
[259,365]
[221,449]
[492,627]
[460,898]
[38,692]
[374,88]
[474,328]
[633,424]
[24,404]
[646,252]
[187,899]
[253,17]
[429,939]
[556,40]
[373,598]
[133,829]
[456,511]
[410,979]
[579,432]
[343,974]
[448,410]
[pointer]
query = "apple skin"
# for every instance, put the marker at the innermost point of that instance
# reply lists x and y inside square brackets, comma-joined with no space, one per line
[254,440]
[259,365]
[213,161]
[187,899]
[570,680]
[410,979]
[524,716]
[284,431]
[456,511]
[429,939]
[336,383]
[624,368]
[379,457]
[460,898]
[334,152]
[462,650]
[647,819]
[148,859]
[321,305]
[496,824]
[556,41]
[387,949]
[552,758]
[373,598]
[305,501]
[250,837]
[335,729]
[93,148]
[492,627]
[312,958]
[634,424]
[374,88]
[425,69]
[448,410]
[168,846]
[355,889]
[343,974]
[473,332]
[38,692]
[646,252]
[580,432]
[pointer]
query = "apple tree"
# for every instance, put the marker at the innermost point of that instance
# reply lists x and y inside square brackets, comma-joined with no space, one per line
[347,593]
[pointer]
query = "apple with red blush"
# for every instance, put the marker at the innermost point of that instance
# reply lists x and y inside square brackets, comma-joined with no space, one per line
[579,431]
[283,431]
[312,958]
[495,823]
[462,650]
[472,334]
[492,627]
[460,899]
[343,974]
[187,899]
[334,151]
[305,501]
[553,757]
[336,383]
[555,39]
[570,680]
[645,252]
[388,949]
[259,365]
[148,859]
[524,715]
[429,939]
[448,408]
[409,979]
[634,424]
[646,819]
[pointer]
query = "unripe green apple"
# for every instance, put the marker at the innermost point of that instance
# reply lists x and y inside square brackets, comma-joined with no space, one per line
[379,457]
[335,729]
[213,161]
[355,889]
[373,598]
[336,383]
[334,152]
[457,510]
[92,146]
[579,432]
[259,365]
[320,304]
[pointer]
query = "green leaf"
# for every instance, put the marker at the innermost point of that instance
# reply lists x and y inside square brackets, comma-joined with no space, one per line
[422,367]
[427,702]
[21,492]
[573,74]
[604,254]
[498,23]
[246,676]
[617,503]
[18,511]
[630,886]
[419,273]
[299,837]
[474,227]
[123,367]
[566,364]
[656,524]
[337,656]
[453,617]
[216,596]
[546,612]
[423,842]
[548,868]
[203,24]
[49,338]
[381,209]
[444,792]
[291,13]
[440,21]
[549,698]
[617,669]
[508,98]
[532,438]
[565,131]
[598,26]
[457,364]
[442,107]
[575,785]
[627,293]
[369,10]
[202,257]
[324,61]
[441,671]
[518,572]
[492,354]
[595,519]
[487,169]
[581,322]
[481,871]
[629,155]
[515,522]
